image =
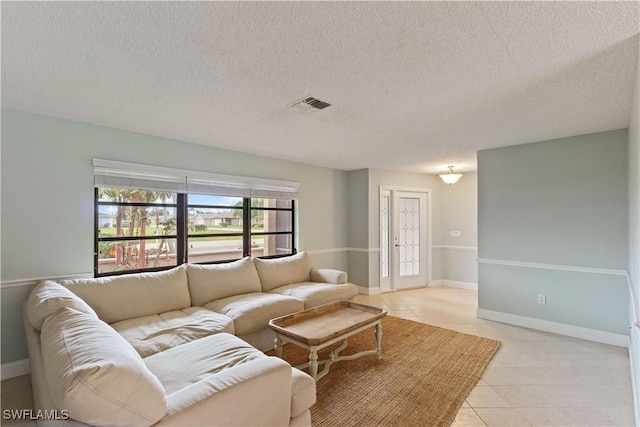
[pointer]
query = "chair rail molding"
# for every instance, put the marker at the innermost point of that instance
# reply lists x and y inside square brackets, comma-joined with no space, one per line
[32,281]
[456,248]
[559,267]
[337,250]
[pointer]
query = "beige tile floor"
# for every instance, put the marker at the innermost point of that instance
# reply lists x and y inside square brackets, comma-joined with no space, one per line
[536,378]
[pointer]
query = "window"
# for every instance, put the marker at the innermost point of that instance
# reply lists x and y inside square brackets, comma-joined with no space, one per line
[156,218]
[272,226]
[135,230]
[215,229]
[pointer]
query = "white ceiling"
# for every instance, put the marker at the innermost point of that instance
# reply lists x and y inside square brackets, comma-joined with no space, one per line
[414,86]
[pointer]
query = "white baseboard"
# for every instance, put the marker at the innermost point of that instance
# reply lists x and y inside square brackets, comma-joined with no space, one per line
[14,369]
[556,328]
[634,386]
[460,285]
[369,291]
[433,284]
[453,284]
[634,360]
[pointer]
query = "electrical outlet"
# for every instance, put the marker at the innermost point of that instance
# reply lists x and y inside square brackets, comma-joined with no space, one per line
[542,299]
[456,233]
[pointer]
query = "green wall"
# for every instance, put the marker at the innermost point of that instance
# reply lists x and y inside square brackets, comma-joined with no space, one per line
[47,200]
[452,208]
[559,209]
[459,212]
[358,234]
[634,235]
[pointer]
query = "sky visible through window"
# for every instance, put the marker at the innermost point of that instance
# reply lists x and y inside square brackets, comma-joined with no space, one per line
[194,199]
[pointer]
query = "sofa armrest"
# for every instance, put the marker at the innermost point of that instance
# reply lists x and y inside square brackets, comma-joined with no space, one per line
[256,393]
[328,275]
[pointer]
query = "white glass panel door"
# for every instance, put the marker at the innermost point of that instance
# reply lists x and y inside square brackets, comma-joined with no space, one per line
[385,241]
[409,236]
[409,254]
[405,244]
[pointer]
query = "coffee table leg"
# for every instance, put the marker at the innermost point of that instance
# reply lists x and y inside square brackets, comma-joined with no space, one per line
[379,341]
[278,346]
[313,363]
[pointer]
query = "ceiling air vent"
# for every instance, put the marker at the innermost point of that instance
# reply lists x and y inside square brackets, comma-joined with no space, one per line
[310,104]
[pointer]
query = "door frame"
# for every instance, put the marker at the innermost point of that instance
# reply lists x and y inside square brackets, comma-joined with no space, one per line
[387,283]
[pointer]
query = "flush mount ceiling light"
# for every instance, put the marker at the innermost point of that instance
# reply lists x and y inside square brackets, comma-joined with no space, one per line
[451,177]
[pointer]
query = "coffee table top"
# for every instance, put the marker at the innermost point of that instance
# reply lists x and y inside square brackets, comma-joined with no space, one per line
[318,325]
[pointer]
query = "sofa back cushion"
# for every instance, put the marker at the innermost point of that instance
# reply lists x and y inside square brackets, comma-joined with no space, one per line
[278,272]
[96,375]
[49,297]
[216,281]
[128,296]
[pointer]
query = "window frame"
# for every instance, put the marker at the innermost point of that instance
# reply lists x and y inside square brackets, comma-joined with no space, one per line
[182,234]
[275,233]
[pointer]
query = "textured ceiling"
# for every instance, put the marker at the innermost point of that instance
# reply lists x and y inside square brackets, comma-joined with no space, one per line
[413,85]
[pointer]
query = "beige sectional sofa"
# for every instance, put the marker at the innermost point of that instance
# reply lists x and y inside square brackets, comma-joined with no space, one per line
[178,347]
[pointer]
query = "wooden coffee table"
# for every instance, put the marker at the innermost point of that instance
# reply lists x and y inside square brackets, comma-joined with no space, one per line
[319,327]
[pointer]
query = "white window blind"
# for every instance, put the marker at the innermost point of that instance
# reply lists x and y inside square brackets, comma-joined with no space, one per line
[109,173]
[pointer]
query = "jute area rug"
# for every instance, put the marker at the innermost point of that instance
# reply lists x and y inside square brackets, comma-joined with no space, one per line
[424,376]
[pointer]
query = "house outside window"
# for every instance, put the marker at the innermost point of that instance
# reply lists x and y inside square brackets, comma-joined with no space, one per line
[151,229]
[136,230]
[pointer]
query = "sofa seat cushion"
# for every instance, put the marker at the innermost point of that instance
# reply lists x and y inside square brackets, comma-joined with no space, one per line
[129,296]
[253,390]
[314,294]
[252,312]
[278,272]
[208,282]
[198,359]
[158,332]
[96,375]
